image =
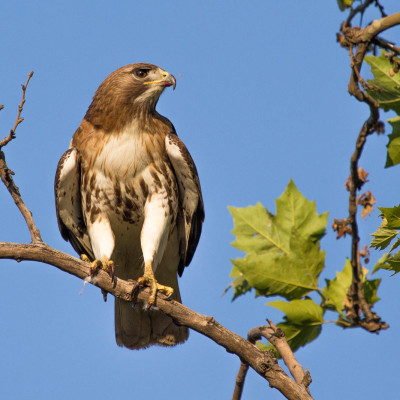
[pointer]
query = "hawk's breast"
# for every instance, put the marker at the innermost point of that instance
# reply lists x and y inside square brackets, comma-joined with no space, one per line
[129,168]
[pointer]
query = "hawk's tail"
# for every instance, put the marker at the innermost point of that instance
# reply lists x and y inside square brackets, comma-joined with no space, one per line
[136,328]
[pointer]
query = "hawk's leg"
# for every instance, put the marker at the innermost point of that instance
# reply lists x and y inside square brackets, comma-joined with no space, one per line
[150,281]
[154,238]
[102,240]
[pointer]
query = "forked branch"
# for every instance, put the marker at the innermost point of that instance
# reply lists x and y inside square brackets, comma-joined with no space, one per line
[277,338]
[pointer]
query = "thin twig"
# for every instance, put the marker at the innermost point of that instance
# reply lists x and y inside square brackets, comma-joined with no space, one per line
[18,120]
[385,44]
[358,10]
[6,173]
[239,381]
[252,337]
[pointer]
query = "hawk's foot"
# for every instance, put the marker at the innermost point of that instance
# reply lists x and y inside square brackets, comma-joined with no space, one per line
[150,281]
[104,264]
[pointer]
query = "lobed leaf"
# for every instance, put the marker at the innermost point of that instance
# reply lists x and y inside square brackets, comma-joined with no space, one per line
[282,251]
[386,83]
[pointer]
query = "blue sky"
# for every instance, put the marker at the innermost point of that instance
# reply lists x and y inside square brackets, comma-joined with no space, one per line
[261,98]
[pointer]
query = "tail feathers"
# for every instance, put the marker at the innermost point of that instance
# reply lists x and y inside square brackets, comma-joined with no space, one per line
[136,328]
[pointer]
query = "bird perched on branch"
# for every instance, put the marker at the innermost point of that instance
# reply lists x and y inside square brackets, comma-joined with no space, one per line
[128,198]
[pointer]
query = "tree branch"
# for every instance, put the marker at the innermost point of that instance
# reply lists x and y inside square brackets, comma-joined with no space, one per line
[361,39]
[264,364]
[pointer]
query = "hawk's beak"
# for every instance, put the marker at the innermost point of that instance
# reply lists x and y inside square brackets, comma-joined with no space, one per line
[169,80]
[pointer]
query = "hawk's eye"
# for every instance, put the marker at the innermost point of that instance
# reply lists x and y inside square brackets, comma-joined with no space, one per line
[142,73]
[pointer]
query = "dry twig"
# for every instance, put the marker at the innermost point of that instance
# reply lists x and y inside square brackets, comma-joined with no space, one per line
[6,173]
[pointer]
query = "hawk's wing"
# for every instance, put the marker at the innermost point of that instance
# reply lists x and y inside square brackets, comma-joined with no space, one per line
[67,188]
[191,215]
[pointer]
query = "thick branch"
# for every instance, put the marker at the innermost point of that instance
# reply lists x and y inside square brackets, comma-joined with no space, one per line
[378,26]
[260,361]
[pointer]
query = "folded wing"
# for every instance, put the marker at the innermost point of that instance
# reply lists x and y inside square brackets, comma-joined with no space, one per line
[67,188]
[191,213]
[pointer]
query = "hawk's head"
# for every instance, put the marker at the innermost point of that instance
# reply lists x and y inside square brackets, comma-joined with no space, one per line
[130,91]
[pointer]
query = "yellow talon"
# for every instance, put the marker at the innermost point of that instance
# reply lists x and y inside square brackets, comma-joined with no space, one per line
[150,281]
[104,264]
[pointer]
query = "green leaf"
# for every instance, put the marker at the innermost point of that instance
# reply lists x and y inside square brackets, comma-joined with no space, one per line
[382,237]
[392,216]
[254,230]
[393,263]
[343,4]
[295,213]
[335,291]
[381,264]
[299,335]
[300,311]
[283,255]
[292,275]
[370,288]
[302,322]
[393,152]
[240,285]
[386,85]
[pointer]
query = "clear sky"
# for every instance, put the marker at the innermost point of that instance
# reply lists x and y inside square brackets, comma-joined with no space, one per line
[261,98]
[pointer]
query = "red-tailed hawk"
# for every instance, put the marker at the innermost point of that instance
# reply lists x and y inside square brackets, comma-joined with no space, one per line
[128,195]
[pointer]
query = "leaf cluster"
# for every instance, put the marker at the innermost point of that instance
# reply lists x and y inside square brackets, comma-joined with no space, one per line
[385,88]
[283,258]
